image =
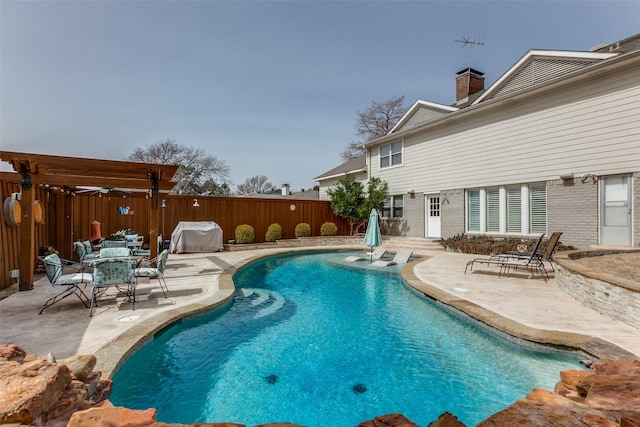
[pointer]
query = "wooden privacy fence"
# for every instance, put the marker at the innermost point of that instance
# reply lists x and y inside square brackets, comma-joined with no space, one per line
[68,218]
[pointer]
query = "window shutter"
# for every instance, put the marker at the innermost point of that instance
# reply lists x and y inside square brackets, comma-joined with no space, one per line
[514,210]
[473,210]
[493,210]
[538,206]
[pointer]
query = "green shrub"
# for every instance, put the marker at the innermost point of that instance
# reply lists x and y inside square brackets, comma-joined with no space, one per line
[274,232]
[328,229]
[303,230]
[245,234]
[489,245]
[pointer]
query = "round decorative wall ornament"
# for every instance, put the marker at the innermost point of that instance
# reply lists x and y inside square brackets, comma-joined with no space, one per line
[12,212]
[38,212]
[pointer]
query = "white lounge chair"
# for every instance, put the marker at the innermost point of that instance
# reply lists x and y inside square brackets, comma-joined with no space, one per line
[401,257]
[376,255]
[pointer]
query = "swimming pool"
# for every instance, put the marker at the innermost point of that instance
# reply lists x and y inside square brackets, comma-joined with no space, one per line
[312,342]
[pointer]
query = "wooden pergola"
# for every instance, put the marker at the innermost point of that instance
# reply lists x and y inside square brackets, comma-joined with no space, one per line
[63,171]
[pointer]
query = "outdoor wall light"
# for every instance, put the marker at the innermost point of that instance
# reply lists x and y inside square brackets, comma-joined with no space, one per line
[566,175]
[163,203]
[195,203]
[586,176]
[411,193]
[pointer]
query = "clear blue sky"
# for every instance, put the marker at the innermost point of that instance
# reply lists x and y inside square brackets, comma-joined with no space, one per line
[270,87]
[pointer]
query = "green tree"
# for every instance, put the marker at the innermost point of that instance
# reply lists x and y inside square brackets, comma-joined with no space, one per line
[350,201]
[199,174]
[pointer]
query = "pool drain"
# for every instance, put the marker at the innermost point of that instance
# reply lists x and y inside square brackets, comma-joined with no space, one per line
[359,388]
[271,379]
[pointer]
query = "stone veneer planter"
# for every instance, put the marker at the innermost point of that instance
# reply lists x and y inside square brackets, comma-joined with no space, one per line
[614,297]
[298,242]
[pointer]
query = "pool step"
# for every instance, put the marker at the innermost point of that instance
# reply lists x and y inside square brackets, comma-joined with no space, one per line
[266,302]
[417,244]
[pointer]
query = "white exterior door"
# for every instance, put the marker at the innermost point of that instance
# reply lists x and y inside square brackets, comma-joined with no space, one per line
[432,213]
[615,210]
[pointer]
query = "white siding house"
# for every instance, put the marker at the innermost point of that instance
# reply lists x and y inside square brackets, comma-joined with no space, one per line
[553,145]
[356,167]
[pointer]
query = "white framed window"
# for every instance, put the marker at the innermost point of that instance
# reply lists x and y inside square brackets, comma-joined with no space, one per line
[391,155]
[393,207]
[473,210]
[519,209]
[538,208]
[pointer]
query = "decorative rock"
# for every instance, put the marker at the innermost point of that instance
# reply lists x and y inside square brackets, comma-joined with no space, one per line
[617,367]
[388,420]
[81,365]
[447,420]
[11,352]
[109,415]
[571,379]
[29,389]
[630,421]
[584,385]
[615,394]
[542,408]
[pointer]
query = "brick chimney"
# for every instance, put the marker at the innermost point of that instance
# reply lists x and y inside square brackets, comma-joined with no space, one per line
[468,82]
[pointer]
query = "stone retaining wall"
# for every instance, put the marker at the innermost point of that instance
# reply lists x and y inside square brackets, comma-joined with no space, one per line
[613,297]
[299,242]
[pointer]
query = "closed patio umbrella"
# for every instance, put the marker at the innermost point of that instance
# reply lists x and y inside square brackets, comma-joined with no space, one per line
[372,237]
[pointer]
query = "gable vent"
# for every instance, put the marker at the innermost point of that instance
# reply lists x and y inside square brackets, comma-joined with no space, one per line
[421,116]
[539,70]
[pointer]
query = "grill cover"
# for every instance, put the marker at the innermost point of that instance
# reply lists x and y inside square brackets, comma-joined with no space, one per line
[196,236]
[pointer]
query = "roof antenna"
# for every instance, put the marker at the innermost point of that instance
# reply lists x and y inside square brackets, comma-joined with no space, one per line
[470,42]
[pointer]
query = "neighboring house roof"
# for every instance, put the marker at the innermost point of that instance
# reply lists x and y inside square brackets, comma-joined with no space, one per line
[310,194]
[355,165]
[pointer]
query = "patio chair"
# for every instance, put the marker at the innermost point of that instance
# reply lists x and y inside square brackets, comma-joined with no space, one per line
[84,251]
[375,255]
[112,272]
[401,257]
[146,252]
[115,252]
[156,272]
[113,243]
[508,262]
[70,282]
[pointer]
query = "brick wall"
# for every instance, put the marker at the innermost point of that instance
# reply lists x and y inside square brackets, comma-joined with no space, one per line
[414,215]
[452,213]
[572,207]
[636,210]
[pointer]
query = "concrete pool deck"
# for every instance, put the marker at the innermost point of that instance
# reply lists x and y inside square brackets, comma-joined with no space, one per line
[526,308]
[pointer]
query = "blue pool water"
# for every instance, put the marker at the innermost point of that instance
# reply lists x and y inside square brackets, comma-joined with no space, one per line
[312,342]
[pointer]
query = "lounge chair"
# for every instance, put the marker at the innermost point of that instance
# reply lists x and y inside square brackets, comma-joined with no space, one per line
[53,266]
[507,262]
[375,255]
[401,257]
[545,252]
